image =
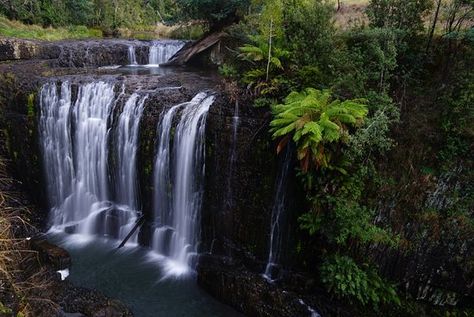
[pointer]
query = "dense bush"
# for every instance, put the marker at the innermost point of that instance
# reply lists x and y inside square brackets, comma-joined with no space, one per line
[218,13]
[106,14]
[347,280]
[339,139]
[407,15]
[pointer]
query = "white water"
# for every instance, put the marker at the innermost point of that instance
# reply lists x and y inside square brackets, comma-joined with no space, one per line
[278,218]
[55,134]
[161,52]
[233,157]
[179,188]
[162,204]
[76,176]
[132,58]
[312,312]
[126,176]
[75,139]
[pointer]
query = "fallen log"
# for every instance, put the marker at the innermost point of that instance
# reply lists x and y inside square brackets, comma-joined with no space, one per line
[138,223]
[184,55]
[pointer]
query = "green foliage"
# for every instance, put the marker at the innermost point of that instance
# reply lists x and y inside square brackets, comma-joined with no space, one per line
[340,214]
[260,55]
[313,119]
[406,15]
[309,33]
[31,105]
[343,277]
[218,13]
[20,30]
[228,71]
[4,309]
[372,138]
[104,14]
[370,62]
[458,116]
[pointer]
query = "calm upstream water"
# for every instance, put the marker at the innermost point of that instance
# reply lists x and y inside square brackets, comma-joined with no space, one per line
[133,275]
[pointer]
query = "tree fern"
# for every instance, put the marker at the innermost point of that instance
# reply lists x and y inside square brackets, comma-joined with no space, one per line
[313,120]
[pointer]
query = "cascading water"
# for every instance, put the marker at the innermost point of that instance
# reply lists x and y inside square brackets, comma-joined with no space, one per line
[76,175]
[233,153]
[161,52]
[132,58]
[55,133]
[162,183]
[126,178]
[74,141]
[179,189]
[278,217]
[312,312]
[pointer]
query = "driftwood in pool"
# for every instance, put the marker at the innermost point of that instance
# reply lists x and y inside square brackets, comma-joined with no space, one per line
[190,50]
[138,223]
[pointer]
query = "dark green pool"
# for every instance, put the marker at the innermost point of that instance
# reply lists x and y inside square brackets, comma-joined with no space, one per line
[134,276]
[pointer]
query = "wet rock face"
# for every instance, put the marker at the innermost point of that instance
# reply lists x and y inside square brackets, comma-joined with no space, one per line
[231,282]
[75,54]
[240,173]
[90,53]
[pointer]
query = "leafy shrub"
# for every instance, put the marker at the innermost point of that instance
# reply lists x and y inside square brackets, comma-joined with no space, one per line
[218,13]
[342,276]
[404,15]
[309,31]
[227,70]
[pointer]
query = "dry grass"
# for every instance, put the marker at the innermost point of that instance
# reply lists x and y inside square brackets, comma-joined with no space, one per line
[20,282]
[351,13]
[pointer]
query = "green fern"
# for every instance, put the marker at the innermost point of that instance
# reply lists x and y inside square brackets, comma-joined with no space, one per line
[313,119]
[257,54]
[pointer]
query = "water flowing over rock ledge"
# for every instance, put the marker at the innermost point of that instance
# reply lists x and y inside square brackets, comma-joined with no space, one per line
[240,177]
[85,53]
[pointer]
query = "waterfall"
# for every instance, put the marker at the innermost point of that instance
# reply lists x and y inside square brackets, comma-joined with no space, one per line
[55,134]
[278,217]
[312,312]
[233,153]
[74,142]
[179,189]
[132,58]
[126,176]
[162,182]
[160,52]
[74,139]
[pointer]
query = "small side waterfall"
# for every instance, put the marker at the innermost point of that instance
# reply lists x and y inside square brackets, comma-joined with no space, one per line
[179,189]
[312,312]
[160,52]
[278,218]
[132,58]
[126,177]
[233,155]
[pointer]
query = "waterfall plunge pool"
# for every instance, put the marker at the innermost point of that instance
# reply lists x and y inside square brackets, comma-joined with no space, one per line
[135,276]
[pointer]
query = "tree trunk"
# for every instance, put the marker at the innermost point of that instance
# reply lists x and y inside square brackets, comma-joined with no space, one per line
[269,48]
[435,20]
